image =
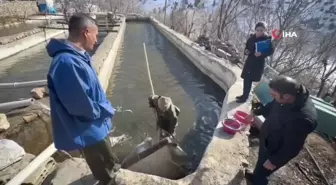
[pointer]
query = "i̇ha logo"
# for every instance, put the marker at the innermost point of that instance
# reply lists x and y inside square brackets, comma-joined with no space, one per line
[278,34]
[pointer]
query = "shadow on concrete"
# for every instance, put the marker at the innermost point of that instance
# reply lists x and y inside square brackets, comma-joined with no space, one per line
[231,106]
[197,180]
[198,87]
[86,180]
[238,178]
[49,178]
[219,133]
[200,175]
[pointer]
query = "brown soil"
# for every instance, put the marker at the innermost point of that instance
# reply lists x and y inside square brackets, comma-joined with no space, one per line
[34,136]
[302,169]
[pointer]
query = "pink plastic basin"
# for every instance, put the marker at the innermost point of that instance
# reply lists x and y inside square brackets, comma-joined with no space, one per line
[231,126]
[242,117]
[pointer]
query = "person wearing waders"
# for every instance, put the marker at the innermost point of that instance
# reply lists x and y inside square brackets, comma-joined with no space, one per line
[80,111]
[255,62]
[167,115]
[289,119]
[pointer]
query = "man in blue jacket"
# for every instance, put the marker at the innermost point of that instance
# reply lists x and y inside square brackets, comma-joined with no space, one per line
[80,111]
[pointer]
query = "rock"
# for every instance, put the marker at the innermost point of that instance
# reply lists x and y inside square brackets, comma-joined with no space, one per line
[245,163]
[38,93]
[11,171]
[4,124]
[254,142]
[227,50]
[46,91]
[11,152]
[31,117]
[118,140]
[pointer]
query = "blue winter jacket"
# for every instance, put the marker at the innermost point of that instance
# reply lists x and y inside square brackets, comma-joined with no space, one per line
[80,112]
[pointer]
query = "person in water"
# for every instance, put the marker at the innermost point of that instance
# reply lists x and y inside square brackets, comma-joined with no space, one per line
[289,119]
[255,62]
[80,111]
[167,114]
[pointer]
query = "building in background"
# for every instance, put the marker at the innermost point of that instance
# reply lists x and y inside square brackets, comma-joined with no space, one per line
[46,6]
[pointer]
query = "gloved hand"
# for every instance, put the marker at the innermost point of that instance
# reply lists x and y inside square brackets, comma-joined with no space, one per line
[256,107]
[150,102]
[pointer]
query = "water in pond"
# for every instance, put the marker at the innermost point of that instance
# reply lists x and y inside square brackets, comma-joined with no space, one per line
[173,75]
[31,64]
[28,65]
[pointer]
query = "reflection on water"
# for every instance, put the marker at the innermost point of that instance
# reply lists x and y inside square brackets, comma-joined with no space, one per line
[173,75]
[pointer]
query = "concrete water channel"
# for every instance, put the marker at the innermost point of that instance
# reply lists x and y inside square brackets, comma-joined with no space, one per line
[195,79]
[173,74]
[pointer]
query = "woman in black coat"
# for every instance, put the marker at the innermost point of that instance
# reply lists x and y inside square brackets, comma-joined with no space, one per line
[255,62]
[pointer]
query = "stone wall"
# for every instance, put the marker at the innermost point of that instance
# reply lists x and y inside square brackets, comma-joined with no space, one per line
[15,37]
[17,8]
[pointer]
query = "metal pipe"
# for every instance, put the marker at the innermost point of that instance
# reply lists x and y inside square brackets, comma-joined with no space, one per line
[16,104]
[23,84]
[33,166]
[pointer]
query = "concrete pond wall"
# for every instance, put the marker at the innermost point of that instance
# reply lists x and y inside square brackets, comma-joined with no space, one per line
[12,48]
[224,159]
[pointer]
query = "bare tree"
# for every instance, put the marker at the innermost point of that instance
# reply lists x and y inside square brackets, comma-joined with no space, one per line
[228,12]
[326,73]
[182,17]
[301,57]
[333,92]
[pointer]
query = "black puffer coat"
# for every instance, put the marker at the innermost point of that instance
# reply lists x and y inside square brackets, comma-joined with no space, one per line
[254,66]
[286,127]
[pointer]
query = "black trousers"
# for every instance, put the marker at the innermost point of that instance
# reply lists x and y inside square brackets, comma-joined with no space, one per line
[247,88]
[260,173]
[100,159]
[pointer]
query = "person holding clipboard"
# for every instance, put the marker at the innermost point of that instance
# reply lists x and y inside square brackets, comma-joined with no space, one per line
[258,47]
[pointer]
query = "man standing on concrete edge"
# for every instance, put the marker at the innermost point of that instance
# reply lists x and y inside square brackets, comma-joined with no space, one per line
[80,111]
[289,118]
